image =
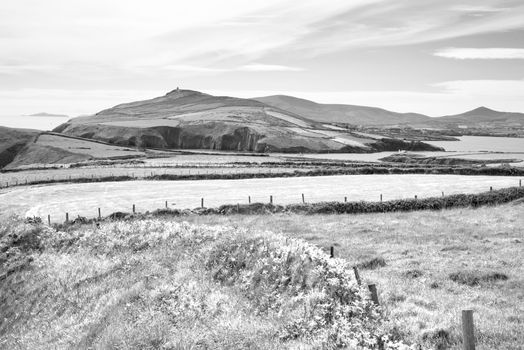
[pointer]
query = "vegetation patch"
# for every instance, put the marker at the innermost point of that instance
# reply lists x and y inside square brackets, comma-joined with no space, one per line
[372,263]
[160,284]
[414,273]
[475,278]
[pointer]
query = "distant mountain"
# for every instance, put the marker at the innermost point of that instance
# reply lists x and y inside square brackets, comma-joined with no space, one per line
[483,117]
[43,114]
[187,119]
[341,113]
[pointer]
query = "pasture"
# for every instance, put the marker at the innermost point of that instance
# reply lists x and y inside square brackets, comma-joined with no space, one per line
[428,266]
[84,199]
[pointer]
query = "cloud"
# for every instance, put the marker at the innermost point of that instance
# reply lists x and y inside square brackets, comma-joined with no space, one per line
[253,67]
[257,67]
[482,53]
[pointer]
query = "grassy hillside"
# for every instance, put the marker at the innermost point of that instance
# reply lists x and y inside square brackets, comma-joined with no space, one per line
[153,284]
[341,113]
[12,141]
[428,266]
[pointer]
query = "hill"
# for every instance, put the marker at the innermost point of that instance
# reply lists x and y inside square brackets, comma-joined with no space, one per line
[483,117]
[12,141]
[479,121]
[24,147]
[186,119]
[341,113]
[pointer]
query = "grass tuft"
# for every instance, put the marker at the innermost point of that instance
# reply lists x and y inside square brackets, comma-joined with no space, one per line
[475,278]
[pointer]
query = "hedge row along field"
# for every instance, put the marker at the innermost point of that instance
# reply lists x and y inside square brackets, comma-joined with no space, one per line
[495,197]
[316,172]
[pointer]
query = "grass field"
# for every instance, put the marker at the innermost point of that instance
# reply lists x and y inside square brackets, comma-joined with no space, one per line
[84,199]
[428,266]
[154,284]
[19,177]
[250,282]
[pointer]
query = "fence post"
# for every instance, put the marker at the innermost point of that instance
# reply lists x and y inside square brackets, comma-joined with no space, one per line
[520,183]
[357,275]
[332,252]
[345,199]
[134,211]
[249,199]
[374,295]
[303,200]
[49,220]
[166,204]
[490,188]
[271,199]
[99,213]
[468,342]
[381,197]
[202,202]
[67,217]
[442,193]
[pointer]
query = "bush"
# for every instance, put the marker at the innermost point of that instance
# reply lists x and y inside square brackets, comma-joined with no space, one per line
[475,278]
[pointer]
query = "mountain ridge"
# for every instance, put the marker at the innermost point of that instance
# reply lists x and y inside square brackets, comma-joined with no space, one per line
[185,119]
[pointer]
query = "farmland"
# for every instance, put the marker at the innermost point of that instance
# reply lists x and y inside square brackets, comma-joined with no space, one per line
[84,199]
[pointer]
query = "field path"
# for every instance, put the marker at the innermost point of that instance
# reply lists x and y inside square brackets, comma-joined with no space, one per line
[84,199]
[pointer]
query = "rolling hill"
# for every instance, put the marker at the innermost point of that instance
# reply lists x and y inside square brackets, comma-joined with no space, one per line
[186,119]
[341,113]
[12,141]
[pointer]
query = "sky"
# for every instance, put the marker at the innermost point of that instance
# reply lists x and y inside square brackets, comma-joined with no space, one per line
[435,57]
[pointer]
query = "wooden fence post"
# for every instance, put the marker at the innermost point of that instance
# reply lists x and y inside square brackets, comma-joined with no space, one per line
[345,199]
[49,220]
[303,200]
[520,183]
[381,197]
[374,295]
[166,204]
[271,199]
[99,213]
[332,252]
[249,199]
[468,342]
[134,211]
[442,193]
[202,202]
[357,275]
[67,217]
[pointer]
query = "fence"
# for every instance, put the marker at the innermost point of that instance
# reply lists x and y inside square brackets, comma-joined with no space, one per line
[468,333]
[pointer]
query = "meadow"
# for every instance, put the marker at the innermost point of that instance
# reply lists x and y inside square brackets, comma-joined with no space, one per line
[156,284]
[265,281]
[427,265]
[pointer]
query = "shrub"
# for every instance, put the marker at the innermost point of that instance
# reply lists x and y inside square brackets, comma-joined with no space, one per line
[475,278]
[372,263]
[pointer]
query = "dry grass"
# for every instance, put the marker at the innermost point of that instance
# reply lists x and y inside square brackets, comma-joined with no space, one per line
[436,264]
[155,284]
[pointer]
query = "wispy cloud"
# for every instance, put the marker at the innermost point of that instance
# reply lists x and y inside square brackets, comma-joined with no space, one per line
[257,67]
[481,53]
[253,67]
